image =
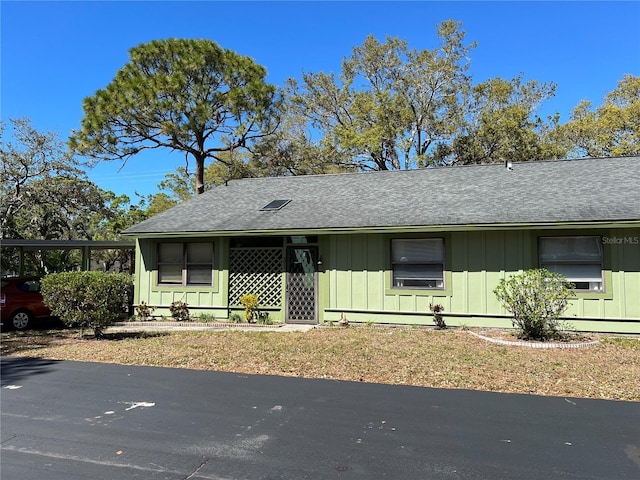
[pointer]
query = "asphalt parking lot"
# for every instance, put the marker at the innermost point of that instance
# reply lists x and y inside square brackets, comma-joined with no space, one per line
[63,420]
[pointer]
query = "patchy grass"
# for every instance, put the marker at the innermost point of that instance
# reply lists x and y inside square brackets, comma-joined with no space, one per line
[441,359]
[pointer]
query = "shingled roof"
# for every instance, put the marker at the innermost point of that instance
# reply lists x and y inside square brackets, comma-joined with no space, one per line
[548,192]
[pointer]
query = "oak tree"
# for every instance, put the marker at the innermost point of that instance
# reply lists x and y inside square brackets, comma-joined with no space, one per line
[611,129]
[499,122]
[390,104]
[45,195]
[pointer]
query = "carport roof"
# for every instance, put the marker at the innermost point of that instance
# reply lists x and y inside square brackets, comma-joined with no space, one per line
[65,244]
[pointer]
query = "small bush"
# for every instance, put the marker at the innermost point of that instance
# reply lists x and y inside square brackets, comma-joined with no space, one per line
[264,318]
[179,311]
[536,299]
[88,299]
[235,318]
[436,310]
[250,303]
[206,317]
[144,311]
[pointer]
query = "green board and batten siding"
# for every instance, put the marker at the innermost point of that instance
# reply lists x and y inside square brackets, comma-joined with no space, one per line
[491,219]
[359,280]
[212,300]
[355,280]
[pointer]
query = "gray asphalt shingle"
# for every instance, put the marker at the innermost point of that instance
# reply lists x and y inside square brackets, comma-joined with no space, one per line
[584,190]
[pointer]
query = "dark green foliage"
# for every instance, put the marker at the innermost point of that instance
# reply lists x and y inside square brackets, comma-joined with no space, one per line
[264,318]
[437,310]
[144,311]
[88,299]
[179,311]
[198,98]
[44,195]
[536,298]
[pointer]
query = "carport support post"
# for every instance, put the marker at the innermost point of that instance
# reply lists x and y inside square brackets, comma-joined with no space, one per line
[86,258]
[21,261]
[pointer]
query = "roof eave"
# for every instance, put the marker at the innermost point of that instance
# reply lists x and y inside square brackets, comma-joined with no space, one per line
[394,229]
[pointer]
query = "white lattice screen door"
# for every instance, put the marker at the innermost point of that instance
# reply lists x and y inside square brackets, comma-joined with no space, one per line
[302,284]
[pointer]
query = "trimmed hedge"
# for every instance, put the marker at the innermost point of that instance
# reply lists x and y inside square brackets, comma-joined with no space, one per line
[88,299]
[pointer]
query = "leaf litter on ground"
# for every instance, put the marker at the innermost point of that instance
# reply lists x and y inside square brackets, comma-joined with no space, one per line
[418,357]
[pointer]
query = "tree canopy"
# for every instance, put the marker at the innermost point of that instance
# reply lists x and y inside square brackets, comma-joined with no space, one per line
[45,195]
[389,107]
[390,104]
[393,107]
[611,129]
[183,95]
[499,123]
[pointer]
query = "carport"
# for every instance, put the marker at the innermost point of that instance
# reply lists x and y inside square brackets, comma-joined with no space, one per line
[84,246]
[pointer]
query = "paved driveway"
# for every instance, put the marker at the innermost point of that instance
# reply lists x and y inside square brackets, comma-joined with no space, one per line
[71,420]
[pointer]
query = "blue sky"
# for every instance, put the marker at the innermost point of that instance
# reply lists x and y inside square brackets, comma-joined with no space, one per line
[54,54]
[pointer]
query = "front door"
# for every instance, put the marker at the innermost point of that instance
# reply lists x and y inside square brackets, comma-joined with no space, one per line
[302,285]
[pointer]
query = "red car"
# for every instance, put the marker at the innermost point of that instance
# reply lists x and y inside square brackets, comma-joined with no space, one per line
[21,302]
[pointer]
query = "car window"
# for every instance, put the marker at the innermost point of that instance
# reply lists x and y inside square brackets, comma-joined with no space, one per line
[30,286]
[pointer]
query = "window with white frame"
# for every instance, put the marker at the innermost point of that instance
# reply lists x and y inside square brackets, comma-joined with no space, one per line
[417,262]
[189,263]
[578,258]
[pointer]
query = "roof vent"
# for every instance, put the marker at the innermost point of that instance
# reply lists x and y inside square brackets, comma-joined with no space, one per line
[274,205]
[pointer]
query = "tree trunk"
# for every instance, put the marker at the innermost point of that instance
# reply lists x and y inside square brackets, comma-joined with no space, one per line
[199,174]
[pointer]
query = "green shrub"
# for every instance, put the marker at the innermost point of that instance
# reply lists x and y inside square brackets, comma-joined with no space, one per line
[235,318]
[206,317]
[179,311]
[264,318]
[536,299]
[144,311]
[88,299]
[437,310]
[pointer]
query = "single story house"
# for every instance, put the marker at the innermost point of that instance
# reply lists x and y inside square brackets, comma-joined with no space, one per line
[382,246]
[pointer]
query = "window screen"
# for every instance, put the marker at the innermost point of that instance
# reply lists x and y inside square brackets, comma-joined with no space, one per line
[170,263]
[418,263]
[578,258]
[185,263]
